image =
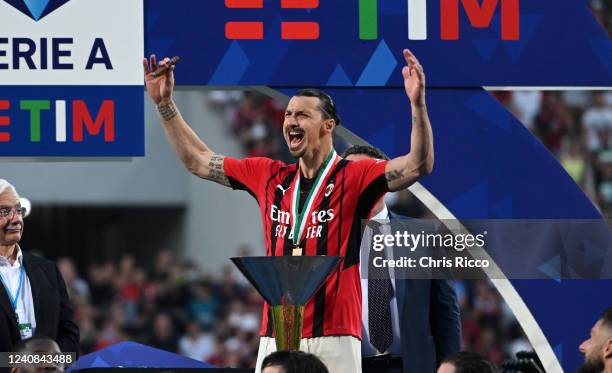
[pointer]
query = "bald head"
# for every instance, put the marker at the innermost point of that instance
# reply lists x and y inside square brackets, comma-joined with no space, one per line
[606,320]
[40,345]
[597,350]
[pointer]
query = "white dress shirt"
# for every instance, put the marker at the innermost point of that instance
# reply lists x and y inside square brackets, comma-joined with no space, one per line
[25,303]
[366,347]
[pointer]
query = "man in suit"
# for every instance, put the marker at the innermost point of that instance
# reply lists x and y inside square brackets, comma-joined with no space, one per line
[408,326]
[33,297]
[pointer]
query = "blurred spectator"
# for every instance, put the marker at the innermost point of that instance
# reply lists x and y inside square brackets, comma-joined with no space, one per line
[100,276]
[243,320]
[203,306]
[110,334]
[597,122]
[552,122]
[488,326]
[163,265]
[575,163]
[77,288]
[604,172]
[526,106]
[197,344]
[163,335]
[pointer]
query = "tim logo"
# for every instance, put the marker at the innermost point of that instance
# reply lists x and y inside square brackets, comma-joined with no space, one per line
[36,9]
[479,13]
[85,120]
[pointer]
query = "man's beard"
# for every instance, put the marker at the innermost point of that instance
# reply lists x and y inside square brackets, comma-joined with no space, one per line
[592,367]
[298,154]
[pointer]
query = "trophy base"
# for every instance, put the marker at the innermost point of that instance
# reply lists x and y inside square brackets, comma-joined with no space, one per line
[288,322]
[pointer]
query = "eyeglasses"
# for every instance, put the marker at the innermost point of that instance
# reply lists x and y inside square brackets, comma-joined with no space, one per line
[8,211]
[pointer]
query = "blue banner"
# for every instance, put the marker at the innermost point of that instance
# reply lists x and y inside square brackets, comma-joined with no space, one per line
[359,43]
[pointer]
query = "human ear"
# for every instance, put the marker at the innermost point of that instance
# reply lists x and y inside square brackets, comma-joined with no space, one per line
[607,349]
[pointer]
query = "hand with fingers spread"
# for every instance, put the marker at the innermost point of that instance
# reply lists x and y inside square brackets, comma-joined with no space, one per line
[414,79]
[403,171]
[159,88]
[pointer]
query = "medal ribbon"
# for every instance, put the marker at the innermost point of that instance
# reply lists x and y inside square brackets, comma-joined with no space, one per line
[8,291]
[299,223]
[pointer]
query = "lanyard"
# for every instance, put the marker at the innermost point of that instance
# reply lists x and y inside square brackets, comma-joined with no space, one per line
[8,291]
[299,223]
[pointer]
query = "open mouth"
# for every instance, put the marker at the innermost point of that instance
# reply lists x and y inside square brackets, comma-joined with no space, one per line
[296,138]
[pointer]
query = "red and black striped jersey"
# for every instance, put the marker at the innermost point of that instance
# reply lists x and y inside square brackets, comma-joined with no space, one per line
[346,196]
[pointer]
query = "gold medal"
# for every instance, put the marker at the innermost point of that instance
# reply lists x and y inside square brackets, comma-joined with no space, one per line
[297,251]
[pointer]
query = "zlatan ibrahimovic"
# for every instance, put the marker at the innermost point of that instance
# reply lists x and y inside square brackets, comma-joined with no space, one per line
[314,206]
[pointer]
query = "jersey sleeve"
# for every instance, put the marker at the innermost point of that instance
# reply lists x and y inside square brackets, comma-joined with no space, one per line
[369,175]
[372,173]
[250,174]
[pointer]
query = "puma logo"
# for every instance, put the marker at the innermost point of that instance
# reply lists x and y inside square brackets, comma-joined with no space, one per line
[282,189]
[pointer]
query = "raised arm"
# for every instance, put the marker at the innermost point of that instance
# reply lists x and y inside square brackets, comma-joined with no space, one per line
[197,157]
[403,171]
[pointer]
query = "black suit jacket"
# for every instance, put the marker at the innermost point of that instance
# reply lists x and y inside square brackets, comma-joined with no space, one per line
[429,321]
[52,309]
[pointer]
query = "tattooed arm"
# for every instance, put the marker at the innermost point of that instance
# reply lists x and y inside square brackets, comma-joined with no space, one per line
[197,157]
[403,171]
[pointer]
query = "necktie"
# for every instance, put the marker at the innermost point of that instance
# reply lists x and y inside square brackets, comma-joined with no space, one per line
[380,292]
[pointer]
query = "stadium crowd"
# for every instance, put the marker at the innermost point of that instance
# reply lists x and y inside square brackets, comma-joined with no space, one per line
[177,307]
[173,306]
[576,127]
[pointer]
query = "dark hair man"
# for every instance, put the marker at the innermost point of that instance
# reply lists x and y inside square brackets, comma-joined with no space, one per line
[314,206]
[597,350]
[292,362]
[33,298]
[409,317]
[466,362]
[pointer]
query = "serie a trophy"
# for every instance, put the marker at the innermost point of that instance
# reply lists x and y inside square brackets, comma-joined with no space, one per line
[287,283]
